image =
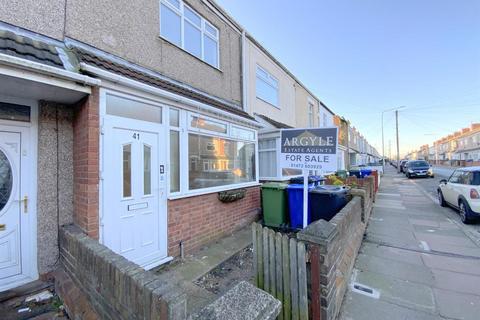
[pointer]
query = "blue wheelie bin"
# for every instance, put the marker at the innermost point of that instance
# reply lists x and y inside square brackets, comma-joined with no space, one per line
[315,180]
[365,172]
[318,180]
[324,202]
[295,204]
[355,172]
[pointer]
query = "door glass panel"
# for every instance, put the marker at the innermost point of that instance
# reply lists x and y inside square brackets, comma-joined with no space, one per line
[147,170]
[127,170]
[132,109]
[9,111]
[6,180]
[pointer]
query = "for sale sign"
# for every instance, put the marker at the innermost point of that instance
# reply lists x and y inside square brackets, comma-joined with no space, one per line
[309,149]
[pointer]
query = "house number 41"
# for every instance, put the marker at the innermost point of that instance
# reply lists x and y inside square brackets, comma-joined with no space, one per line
[136,136]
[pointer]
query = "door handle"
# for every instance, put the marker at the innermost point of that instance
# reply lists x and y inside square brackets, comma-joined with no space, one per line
[25,204]
[3,227]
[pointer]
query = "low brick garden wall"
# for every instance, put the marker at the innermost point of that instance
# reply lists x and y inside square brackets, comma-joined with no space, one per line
[333,248]
[322,267]
[97,283]
[197,220]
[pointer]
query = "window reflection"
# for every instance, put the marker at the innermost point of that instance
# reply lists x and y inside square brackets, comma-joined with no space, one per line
[209,125]
[216,161]
[6,180]
[15,112]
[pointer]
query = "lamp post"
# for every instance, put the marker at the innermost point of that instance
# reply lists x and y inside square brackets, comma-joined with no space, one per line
[383,141]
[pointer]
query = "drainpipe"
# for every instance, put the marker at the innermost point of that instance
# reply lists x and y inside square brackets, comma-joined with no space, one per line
[182,252]
[244,73]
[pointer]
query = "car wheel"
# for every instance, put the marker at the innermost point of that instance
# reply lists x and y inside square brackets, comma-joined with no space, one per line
[408,176]
[464,210]
[432,176]
[441,200]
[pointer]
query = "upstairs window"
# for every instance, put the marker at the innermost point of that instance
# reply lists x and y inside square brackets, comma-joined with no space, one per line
[318,116]
[267,87]
[310,115]
[182,26]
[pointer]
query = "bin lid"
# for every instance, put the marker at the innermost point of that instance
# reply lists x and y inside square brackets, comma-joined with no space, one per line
[329,189]
[274,185]
[299,186]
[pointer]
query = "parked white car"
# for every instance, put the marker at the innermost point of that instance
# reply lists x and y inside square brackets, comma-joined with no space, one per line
[462,191]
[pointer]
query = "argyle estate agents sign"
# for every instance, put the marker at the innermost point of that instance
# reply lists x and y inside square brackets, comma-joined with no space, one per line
[309,149]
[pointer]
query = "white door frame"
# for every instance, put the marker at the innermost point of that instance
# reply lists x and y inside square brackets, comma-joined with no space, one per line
[162,148]
[29,159]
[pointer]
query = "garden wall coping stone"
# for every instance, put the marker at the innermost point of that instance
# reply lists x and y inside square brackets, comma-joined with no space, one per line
[242,302]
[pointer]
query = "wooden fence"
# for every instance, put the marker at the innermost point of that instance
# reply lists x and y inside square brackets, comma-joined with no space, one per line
[281,269]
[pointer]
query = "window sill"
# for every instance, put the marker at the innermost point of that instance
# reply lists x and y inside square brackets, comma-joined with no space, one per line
[190,54]
[200,192]
[276,179]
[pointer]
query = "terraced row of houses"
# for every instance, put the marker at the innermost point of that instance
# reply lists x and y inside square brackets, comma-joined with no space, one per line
[461,148]
[127,118]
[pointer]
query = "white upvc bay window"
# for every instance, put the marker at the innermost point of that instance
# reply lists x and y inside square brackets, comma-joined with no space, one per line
[182,26]
[269,159]
[213,155]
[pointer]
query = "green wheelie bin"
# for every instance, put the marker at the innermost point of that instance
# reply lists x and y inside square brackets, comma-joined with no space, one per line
[274,204]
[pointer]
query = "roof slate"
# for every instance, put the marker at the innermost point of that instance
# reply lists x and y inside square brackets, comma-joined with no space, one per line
[29,49]
[103,63]
[276,124]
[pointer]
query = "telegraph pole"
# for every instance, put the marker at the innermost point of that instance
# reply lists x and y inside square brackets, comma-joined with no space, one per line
[383,148]
[398,146]
[390,150]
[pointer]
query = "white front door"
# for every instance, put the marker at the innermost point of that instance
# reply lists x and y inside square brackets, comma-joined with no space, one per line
[134,196]
[16,265]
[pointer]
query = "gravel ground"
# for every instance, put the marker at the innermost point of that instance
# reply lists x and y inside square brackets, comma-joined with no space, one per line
[237,268]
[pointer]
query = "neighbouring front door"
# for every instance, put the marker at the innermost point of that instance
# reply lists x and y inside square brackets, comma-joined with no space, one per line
[134,198]
[15,227]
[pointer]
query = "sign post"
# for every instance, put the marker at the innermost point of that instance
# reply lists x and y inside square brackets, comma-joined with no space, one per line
[309,149]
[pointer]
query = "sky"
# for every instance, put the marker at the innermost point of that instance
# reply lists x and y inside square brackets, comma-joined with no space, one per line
[361,57]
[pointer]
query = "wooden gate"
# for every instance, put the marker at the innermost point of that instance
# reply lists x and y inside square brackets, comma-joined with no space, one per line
[281,270]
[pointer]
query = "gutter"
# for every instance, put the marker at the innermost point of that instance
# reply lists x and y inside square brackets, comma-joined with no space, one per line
[48,70]
[163,93]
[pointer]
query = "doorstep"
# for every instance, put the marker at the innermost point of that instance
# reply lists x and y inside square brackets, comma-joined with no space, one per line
[202,261]
[34,300]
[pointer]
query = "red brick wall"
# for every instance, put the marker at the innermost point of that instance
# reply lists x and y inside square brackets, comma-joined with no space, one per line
[86,150]
[201,219]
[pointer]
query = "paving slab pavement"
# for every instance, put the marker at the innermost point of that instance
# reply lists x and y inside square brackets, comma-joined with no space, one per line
[419,261]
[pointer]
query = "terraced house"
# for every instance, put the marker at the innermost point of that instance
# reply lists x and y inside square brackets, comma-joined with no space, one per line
[278,100]
[128,133]
[134,139]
